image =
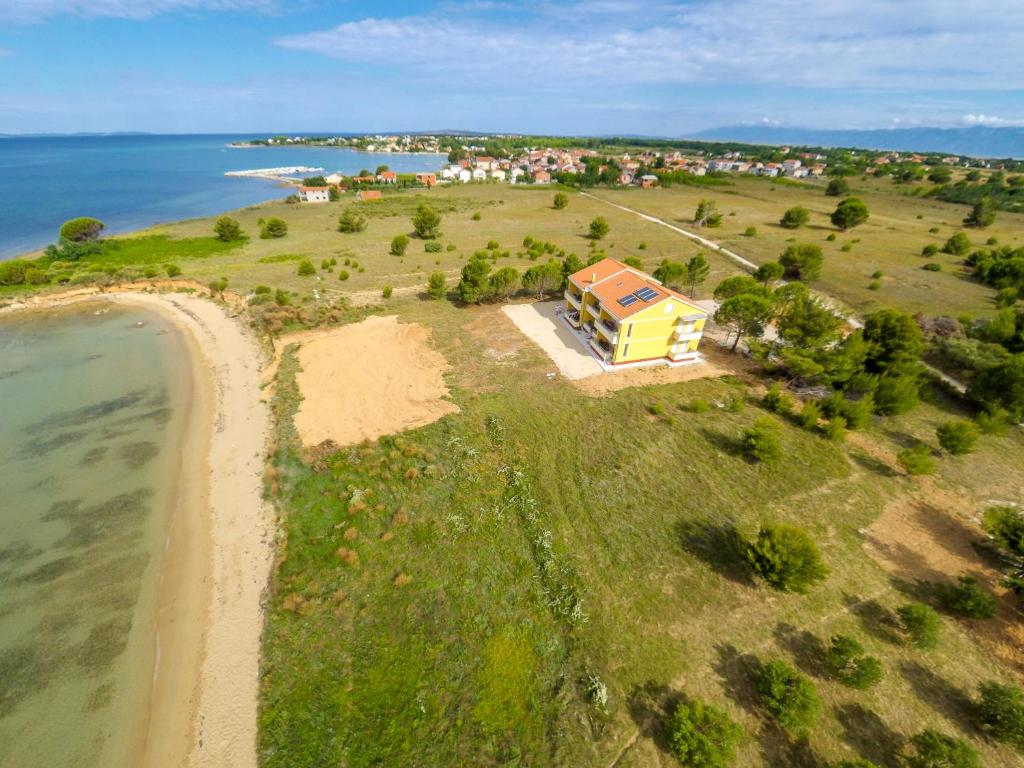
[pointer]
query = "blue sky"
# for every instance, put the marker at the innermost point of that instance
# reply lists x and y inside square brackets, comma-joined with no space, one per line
[588,66]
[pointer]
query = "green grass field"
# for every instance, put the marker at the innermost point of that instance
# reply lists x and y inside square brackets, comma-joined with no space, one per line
[417,621]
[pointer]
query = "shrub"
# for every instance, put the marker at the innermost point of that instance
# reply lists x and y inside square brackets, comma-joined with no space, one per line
[475,216]
[387,291]
[351,221]
[450,247]
[787,695]
[846,662]
[306,268]
[995,422]
[399,244]
[273,228]
[642,246]
[874,285]
[837,187]
[426,221]
[795,217]
[702,736]
[932,266]
[850,213]
[958,437]
[432,246]
[930,250]
[599,227]
[81,229]
[857,413]
[343,274]
[831,237]
[436,286]
[802,262]
[966,598]
[750,232]
[958,244]
[895,394]
[173,270]
[810,415]
[877,274]
[261,290]
[1000,712]
[786,558]
[493,245]
[561,200]
[919,624]
[699,406]
[917,460]
[936,750]
[281,298]
[761,441]
[777,401]
[835,430]
[227,229]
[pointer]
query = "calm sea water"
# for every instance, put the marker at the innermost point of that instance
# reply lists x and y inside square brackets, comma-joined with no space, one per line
[93,411]
[130,182]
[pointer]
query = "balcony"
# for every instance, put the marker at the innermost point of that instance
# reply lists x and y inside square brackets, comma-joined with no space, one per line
[608,330]
[603,351]
[686,331]
[572,300]
[594,310]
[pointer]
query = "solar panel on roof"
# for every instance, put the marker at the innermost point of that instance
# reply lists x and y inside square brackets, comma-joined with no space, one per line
[628,299]
[646,293]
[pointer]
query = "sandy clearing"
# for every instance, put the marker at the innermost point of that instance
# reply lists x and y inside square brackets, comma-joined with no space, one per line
[204,697]
[538,323]
[368,379]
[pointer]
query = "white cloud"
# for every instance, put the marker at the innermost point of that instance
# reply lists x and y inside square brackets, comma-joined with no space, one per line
[991,121]
[33,11]
[873,44]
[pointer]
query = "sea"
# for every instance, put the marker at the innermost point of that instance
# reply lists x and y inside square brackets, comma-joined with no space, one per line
[134,181]
[93,406]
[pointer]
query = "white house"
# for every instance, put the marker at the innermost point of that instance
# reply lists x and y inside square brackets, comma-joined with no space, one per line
[465,175]
[479,174]
[314,194]
[498,175]
[516,174]
[334,178]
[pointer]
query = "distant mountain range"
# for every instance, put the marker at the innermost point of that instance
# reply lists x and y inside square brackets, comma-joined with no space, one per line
[976,141]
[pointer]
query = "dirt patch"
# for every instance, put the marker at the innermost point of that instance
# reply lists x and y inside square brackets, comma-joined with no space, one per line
[361,381]
[540,324]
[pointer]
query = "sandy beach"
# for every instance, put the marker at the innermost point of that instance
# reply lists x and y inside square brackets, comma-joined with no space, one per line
[219,548]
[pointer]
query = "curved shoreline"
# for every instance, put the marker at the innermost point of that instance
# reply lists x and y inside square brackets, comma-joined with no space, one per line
[203,698]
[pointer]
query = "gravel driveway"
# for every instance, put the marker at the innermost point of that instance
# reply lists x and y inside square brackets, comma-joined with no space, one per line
[540,324]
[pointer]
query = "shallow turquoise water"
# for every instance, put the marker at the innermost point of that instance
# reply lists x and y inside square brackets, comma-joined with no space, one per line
[91,413]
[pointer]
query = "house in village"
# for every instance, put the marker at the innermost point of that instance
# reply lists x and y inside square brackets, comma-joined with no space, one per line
[541,177]
[314,194]
[369,194]
[627,317]
[426,179]
[387,177]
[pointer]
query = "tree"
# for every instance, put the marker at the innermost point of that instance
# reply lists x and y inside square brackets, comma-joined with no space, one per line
[381,169]
[786,558]
[850,213]
[837,187]
[745,314]
[958,244]
[787,695]
[707,214]
[81,230]
[919,624]
[227,229]
[436,286]
[173,270]
[504,282]
[896,393]
[846,662]
[769,272]
[760,441]
[894,340]
[306,268]
[806,324]
[543,278]
[701,736]
[560,201]
[940,175]
[672,273]
[1006,527]
[958,437]
[795,217]
[314,181]
[967,598]
[474,285]
[983,213]
[599,228]
[350,221]
[917,460]
[426,221]
[802,261]
[1000,713]
[736,285]
[399,244]
[273,228]
[936,750]
[697,271]
[1001,386]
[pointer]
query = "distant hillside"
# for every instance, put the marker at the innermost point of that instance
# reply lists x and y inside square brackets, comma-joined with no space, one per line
[976,141]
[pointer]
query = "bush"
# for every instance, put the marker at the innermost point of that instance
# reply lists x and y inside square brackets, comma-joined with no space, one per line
[919,624]
[850,213]
[967,599]
[795,217]
[787,695]
[777,401]
[895,394]
[802,262]
[1000,713]
[810,415]
[82,229]
[837,187]
[750,232]
[932,266]
[227,230]
[173,270]
[846,662]
[436,286]
[701,736]
[958,245]
[350,221]
[786,558]
[426,221]
[958,437]
[343,274]
[930,250]
[306,268]
[561,200]
[387,291]
[273,228]
[936,750]
[599,227]
[261,290]
[475,216]
[432,246]
[835,430]
[399,243]
[917,460]
[761,441]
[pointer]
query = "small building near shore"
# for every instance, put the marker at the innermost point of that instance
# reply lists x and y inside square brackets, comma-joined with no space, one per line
[427,179]
[387,177]
[369,194]
[315,194]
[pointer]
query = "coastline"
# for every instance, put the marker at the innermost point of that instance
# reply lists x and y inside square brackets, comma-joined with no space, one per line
[203,696]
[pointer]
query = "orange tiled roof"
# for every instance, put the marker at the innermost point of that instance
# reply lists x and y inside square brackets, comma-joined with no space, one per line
[609,280]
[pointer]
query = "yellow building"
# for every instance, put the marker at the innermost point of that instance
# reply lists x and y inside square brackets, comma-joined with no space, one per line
[627,316]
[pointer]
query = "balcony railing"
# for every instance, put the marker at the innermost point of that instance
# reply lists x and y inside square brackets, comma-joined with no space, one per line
[609,331]
[572,299]
[604,354]
[687,332]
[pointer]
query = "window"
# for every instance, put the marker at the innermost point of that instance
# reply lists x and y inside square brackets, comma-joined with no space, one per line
[625,349]
[629,331]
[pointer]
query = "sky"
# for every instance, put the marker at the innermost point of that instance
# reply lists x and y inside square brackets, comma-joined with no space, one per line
[592,67]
